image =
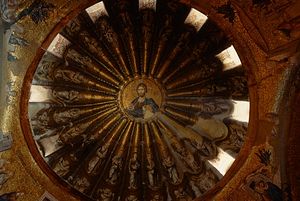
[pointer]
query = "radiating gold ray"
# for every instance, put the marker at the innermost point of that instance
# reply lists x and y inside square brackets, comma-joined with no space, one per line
[65,115]
[157,55]
[145,57]
[67,74]
[175,51]
[84,105]
[115,133]
[89,164]
[103,88]
[70,96]
[168,61]
[176,114]
[195,75]
[106,112]
[76,32]
[105,124]
[123,63]
[203,83]
[110,141]
[203,88]
[152,172]
[183,103]
[184,131]
[185,93]
[179,148]
[80,128]
[96,156]
[93,117]
[208,89]
[96,49]
[152,160]
[136,139]
[111,173]
[86,63]
[157,136]
[184,81]
[163,38]
[133,55]
[147,27]
[112,135]
[125,139]
[167,131]
[128,37]
[162,147]
[132,165]
[183,64]
[158,52]
[171,137]
[147,138]
[112,41]
[195,57]
[61,116]
[167,159]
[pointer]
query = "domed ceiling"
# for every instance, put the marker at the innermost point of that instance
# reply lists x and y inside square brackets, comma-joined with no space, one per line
[135,101]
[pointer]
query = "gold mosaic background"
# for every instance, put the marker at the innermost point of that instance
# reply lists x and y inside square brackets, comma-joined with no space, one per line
[31,182]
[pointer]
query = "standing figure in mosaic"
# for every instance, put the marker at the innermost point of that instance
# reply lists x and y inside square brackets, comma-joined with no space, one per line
[115,169]
[169,164]
[105,195]
[133,168]
[150,168]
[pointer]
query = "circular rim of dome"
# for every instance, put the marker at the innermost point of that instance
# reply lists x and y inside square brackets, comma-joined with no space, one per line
[28,133]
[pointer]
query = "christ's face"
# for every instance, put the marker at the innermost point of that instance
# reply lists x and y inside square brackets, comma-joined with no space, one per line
[141,91]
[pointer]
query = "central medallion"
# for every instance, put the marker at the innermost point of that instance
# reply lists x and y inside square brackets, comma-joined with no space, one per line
[141,98]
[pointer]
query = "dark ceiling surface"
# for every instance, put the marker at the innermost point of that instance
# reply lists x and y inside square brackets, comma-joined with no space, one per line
[131,103]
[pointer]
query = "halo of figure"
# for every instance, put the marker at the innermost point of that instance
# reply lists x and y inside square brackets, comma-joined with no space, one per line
[262,188]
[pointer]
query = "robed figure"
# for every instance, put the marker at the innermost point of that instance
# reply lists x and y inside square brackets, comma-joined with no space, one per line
[142,107]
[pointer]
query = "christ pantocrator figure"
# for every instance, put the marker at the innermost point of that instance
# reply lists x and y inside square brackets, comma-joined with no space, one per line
[142,107]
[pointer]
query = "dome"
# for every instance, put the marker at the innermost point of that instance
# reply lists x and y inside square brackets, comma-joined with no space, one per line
[137,101]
